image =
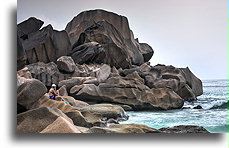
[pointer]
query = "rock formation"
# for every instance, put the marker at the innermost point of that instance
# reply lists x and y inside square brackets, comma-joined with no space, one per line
[25,28]
[46,45]
[29,92]
[66,64]
[28,26]
[129,90]
[184,129]
[124,128]
[43,119]
[21,58]
[101,71]
[52,73]
[50,115]
[180,80]
[112,34]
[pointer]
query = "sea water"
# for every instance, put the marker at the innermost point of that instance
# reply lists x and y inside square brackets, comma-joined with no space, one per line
[213,116]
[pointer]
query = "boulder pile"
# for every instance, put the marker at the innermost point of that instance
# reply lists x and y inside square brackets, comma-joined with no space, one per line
[101,70]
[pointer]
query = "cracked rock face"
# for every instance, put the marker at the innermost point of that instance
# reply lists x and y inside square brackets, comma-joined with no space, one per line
[129,90]
[112,32]
[28,26]
[181,80]
[46,45]
[95,36]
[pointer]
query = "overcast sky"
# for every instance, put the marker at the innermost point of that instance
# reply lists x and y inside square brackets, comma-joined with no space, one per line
[182,33]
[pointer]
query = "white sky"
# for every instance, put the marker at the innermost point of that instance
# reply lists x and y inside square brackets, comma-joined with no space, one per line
[182,33]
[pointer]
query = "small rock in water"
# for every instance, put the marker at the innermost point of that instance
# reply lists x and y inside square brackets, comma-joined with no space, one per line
[186,107]
[198,107]
[184,129]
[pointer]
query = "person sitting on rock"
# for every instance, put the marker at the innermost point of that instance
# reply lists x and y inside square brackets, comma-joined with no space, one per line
[54,94]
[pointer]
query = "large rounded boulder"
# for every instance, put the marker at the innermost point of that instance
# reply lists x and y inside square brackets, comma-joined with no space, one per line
[113,33]
[45,120]
[66,64]
[29,92]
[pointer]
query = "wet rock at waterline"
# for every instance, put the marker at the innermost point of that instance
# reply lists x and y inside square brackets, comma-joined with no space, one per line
[184,129]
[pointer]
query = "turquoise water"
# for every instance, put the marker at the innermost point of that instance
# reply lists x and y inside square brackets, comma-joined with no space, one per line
[213,116]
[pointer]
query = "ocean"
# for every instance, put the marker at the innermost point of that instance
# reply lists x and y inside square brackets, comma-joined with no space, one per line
[213,116]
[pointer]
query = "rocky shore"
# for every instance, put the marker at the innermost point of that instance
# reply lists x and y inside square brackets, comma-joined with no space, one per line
[101,70]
